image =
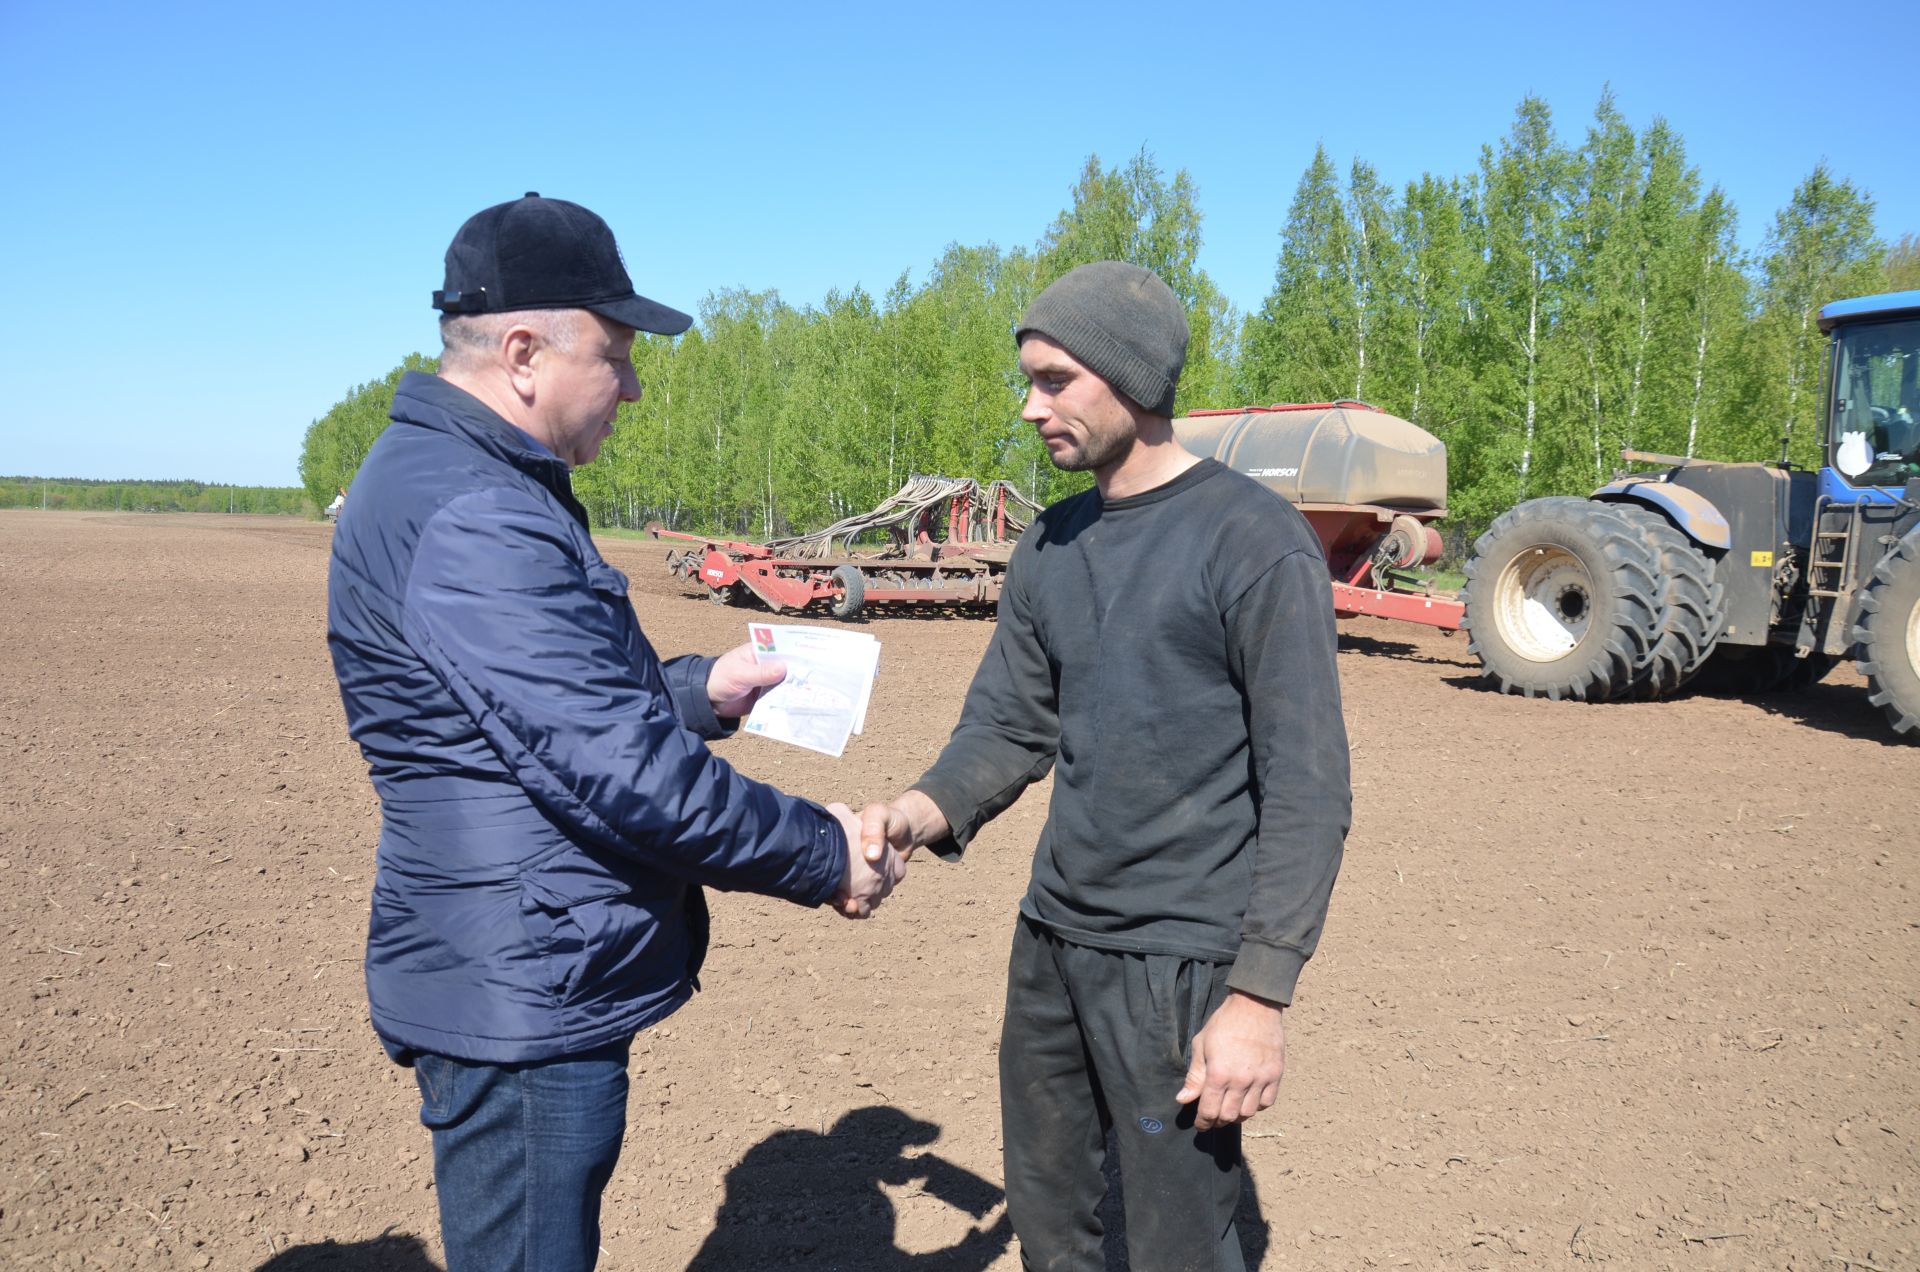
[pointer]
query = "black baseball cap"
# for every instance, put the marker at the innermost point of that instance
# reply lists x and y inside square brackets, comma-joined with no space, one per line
[536,253]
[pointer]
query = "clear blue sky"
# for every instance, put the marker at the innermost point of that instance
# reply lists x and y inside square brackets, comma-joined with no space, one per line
[219,217]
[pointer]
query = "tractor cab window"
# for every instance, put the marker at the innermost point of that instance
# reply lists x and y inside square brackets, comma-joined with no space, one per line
[1875,439]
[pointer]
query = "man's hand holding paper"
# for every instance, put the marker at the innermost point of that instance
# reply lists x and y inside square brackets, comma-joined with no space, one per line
[828,681]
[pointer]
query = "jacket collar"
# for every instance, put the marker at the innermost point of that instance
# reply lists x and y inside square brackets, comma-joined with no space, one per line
[430,402]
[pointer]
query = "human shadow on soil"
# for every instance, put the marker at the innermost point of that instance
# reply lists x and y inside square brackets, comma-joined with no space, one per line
[805,1199]
[1374,647]
[384,1253]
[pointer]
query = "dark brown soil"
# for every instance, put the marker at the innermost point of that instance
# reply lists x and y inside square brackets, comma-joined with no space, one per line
[1631,984]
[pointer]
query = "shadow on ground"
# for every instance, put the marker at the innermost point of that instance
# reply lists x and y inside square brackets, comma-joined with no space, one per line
[1406,651]
[1831,708]
[390,1253]
[805,1199]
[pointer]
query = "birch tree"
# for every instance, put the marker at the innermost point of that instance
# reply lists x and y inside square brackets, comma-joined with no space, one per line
[1300,346]
[1524,185]
[1373,262]
[1716,304]
[1821,248]
[1903,264]
[1605,295]
[1134,213]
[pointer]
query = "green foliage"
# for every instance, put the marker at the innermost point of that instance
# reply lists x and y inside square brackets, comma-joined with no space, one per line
[336,442]
[1903,264]
[1557,303]
[1134,214]
[1561,304]
[1300,346]
[150,496]
[1821,248]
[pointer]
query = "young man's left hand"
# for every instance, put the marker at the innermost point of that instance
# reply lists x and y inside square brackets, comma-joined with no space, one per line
[1239,1057]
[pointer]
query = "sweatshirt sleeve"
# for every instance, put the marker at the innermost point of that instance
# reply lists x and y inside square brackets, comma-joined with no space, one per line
[1281,647]
[1009,728]
[538,647]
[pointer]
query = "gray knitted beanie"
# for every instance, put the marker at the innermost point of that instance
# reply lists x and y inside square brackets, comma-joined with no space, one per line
[1120,320]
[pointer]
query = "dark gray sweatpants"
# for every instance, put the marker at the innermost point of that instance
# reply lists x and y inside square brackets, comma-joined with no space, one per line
[1094,1040]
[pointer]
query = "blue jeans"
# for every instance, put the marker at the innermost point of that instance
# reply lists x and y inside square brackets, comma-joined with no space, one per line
[521,1154]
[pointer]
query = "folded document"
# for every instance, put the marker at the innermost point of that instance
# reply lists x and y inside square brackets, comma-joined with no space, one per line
[829,681]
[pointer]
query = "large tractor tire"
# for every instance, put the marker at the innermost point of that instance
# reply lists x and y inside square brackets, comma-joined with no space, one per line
[1562,601]
[1887,636]
[1692,605]
[852,596]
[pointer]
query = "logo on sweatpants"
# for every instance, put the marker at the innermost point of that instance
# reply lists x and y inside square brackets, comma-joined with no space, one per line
[1152,1125]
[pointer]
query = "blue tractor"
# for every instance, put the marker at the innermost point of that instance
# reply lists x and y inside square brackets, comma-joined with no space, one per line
[1754,576]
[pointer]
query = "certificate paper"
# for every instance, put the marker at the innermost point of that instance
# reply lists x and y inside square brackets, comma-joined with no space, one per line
[829,682]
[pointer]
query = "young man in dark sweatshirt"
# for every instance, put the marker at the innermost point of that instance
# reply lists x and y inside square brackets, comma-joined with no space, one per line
[1166,646]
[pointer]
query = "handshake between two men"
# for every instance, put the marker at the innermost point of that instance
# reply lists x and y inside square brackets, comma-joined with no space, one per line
[879,841]
[880,838]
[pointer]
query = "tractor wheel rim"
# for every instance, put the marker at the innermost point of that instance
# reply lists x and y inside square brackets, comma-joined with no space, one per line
[1543,603]
[1913,638]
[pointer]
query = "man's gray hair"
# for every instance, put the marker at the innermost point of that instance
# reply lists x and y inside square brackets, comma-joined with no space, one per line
[468,339]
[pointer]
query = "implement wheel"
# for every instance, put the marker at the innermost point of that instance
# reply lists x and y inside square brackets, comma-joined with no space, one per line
[1692,605]
[852,596]
[1562,601]
[1887,637]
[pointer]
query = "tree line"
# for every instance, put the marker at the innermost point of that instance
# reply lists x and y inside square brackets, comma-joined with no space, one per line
[1561,301]
[151,496]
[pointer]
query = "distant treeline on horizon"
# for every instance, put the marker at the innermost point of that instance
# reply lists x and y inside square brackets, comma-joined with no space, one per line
[1560,302]
[143,495]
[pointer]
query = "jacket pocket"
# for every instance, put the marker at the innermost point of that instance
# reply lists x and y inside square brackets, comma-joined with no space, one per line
[557,902]
[610,588]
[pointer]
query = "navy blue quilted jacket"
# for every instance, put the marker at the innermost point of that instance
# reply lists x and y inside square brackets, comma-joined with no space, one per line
[548,807]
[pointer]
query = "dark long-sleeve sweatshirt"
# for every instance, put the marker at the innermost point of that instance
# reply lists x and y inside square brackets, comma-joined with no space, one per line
[1172,653]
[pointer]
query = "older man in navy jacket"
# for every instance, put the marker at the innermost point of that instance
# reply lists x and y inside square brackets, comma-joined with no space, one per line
[550,811]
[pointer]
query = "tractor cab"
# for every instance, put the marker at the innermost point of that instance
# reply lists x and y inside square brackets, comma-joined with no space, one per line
[1873,399]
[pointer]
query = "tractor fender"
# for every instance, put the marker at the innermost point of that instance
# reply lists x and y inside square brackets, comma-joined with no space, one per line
[1693,512]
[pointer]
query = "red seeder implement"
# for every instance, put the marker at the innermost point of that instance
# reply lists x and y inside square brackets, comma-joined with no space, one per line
[947,543]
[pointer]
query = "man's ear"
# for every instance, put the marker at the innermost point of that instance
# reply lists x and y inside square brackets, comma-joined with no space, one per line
[520,348]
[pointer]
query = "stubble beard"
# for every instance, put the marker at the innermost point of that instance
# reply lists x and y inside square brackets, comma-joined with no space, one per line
[1098,452]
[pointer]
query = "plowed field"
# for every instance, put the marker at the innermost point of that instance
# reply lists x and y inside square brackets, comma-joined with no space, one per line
[1632,985]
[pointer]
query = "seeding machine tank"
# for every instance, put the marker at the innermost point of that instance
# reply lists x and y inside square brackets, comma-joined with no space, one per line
[1370,484]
